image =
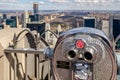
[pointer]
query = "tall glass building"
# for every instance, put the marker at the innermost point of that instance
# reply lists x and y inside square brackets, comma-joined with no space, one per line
[13,21]
[89,22]
[39,27]
[35,8]
[115,29]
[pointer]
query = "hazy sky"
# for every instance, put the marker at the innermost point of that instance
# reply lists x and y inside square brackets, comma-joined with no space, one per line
[61,4]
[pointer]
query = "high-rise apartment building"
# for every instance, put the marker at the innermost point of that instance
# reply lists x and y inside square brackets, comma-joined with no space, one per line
[89,22]
[105,26]
[25,18]
[4,16]
[115,25]
[115,30]
[35,8]
[38,26]
[13,21]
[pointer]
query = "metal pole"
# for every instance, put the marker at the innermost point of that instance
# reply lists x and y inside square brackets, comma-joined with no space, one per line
[15,71]
[37,61]
[37,57]
[26,66]
[48,70]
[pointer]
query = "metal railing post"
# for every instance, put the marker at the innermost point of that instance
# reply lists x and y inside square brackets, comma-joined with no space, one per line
[37,66]
[15,70]
[49,70]
[25,66]
[25,51]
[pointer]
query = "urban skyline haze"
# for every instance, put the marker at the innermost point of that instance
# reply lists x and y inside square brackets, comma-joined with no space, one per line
[60,4]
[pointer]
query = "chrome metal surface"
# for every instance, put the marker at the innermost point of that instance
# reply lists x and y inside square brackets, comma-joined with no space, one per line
[97,53]
[86,30]
[24,50]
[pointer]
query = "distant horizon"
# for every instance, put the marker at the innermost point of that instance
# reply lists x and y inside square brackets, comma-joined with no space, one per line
[58,10]
[60,4]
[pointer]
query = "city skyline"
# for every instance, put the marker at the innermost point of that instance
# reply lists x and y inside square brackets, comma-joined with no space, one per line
[60,4]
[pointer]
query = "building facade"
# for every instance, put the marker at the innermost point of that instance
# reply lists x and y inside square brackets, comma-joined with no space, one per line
[35,8]
[89,22]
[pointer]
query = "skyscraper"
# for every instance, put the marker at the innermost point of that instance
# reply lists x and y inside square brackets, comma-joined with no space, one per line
[13,21]
[4,16]
[115,30]
[35,8]
[89,22]
[105,26]
[26,19]
[38,26]
[115,25]
[35,18]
